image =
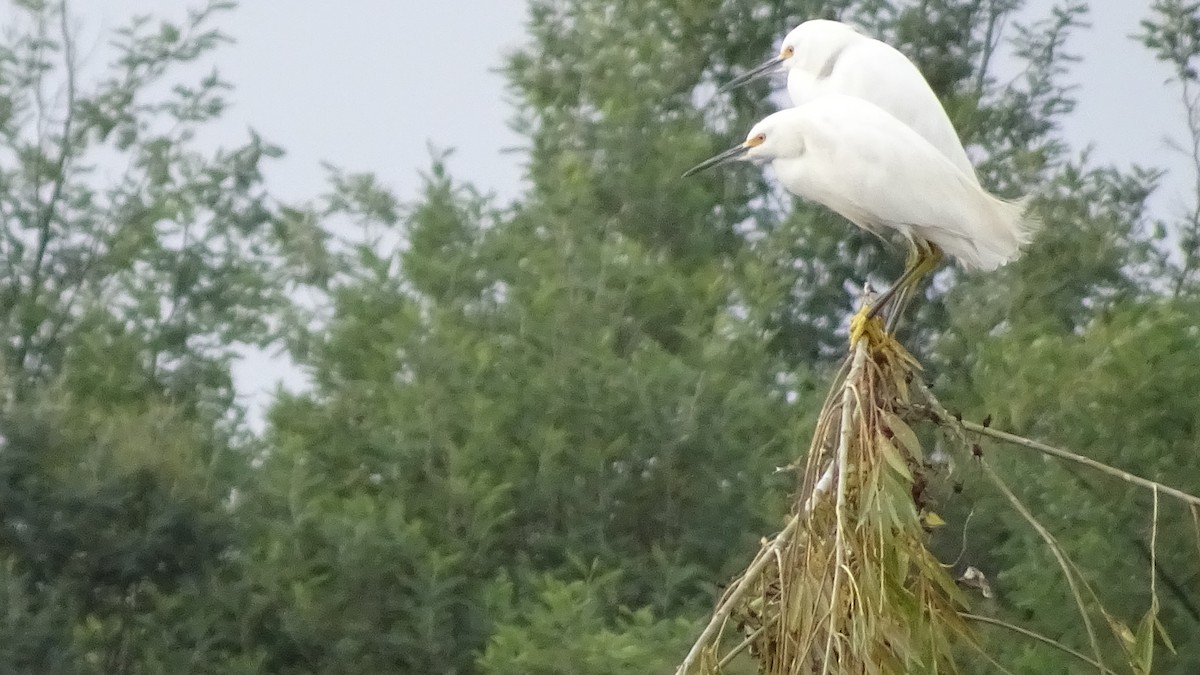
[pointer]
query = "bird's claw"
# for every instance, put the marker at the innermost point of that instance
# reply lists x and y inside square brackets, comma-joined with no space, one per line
[863,324]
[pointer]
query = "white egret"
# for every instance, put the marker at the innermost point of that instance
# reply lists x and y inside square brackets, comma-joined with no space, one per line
[824,57]
[854,158]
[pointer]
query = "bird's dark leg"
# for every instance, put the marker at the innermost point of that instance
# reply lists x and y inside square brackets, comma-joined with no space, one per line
[927,258]
[898,294]
[923,258]
[860,323]
[900,301]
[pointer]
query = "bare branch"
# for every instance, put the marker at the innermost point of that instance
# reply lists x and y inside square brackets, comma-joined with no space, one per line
[46,217]
[741,646]
[938,413]
[730,600]
[1036,636]
[1080,459]
[850,411]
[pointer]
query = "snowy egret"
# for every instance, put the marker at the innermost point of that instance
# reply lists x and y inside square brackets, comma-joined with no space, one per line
[849,155]
[824,57]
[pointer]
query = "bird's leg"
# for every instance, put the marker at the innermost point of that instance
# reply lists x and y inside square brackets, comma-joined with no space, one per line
[898,306]
[911,269]
[915,254]
[923,258]
[926,258]
[860,323]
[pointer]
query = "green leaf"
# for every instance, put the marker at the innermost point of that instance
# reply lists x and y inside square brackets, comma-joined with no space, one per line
[892,457]
[1143,645]
[904,435]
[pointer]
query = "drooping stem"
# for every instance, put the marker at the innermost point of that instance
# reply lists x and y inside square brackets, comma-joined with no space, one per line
[850,411]
[754,571]
[1036,636]
[731,599]
[1059,555]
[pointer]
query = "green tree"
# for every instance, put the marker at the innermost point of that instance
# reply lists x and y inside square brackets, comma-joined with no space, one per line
[126,296]
[610,370]
[541,436]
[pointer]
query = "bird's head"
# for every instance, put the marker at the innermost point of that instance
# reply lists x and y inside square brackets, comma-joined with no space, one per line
[777,136]
[812,47]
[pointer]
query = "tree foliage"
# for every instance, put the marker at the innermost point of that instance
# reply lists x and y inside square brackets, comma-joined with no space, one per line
[540,436]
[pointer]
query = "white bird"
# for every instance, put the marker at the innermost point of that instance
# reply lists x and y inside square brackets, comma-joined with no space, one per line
[824,57]
[878,173]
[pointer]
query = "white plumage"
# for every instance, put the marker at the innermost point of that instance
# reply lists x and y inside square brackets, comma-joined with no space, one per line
[829,57]
[877,172]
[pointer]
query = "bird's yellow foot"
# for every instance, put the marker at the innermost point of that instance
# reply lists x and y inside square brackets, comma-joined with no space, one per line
[863,325]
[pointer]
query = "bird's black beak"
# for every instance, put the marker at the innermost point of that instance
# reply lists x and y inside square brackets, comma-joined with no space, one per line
[730,155]
[756,73]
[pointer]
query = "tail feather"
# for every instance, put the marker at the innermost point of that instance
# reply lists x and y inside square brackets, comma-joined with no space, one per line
[1029,222]
[1008,230]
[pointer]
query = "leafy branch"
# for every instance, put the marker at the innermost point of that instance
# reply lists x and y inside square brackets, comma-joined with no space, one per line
[824,579]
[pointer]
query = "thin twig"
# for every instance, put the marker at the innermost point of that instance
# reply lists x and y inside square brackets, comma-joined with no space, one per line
[726,607]
[850,411]
[936,410]
[45,219]
[1036,636]
[1055,549]
[989,658]
[746,643]
[820,488]
[814,448]
[1154,555]
[1195,510]
[1080,459]
[939,411]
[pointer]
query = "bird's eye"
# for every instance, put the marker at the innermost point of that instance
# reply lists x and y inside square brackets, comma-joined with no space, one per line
[760,138]
[788,52]
[755,140]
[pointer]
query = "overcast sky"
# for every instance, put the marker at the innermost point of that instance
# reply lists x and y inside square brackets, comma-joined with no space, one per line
[368,84]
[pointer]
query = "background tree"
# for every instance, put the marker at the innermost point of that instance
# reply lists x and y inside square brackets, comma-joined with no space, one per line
[125,297]
[540,436]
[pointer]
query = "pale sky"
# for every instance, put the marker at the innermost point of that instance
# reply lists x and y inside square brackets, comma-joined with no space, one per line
[368,84]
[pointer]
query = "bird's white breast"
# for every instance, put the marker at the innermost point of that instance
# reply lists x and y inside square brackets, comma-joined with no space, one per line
[881,175]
